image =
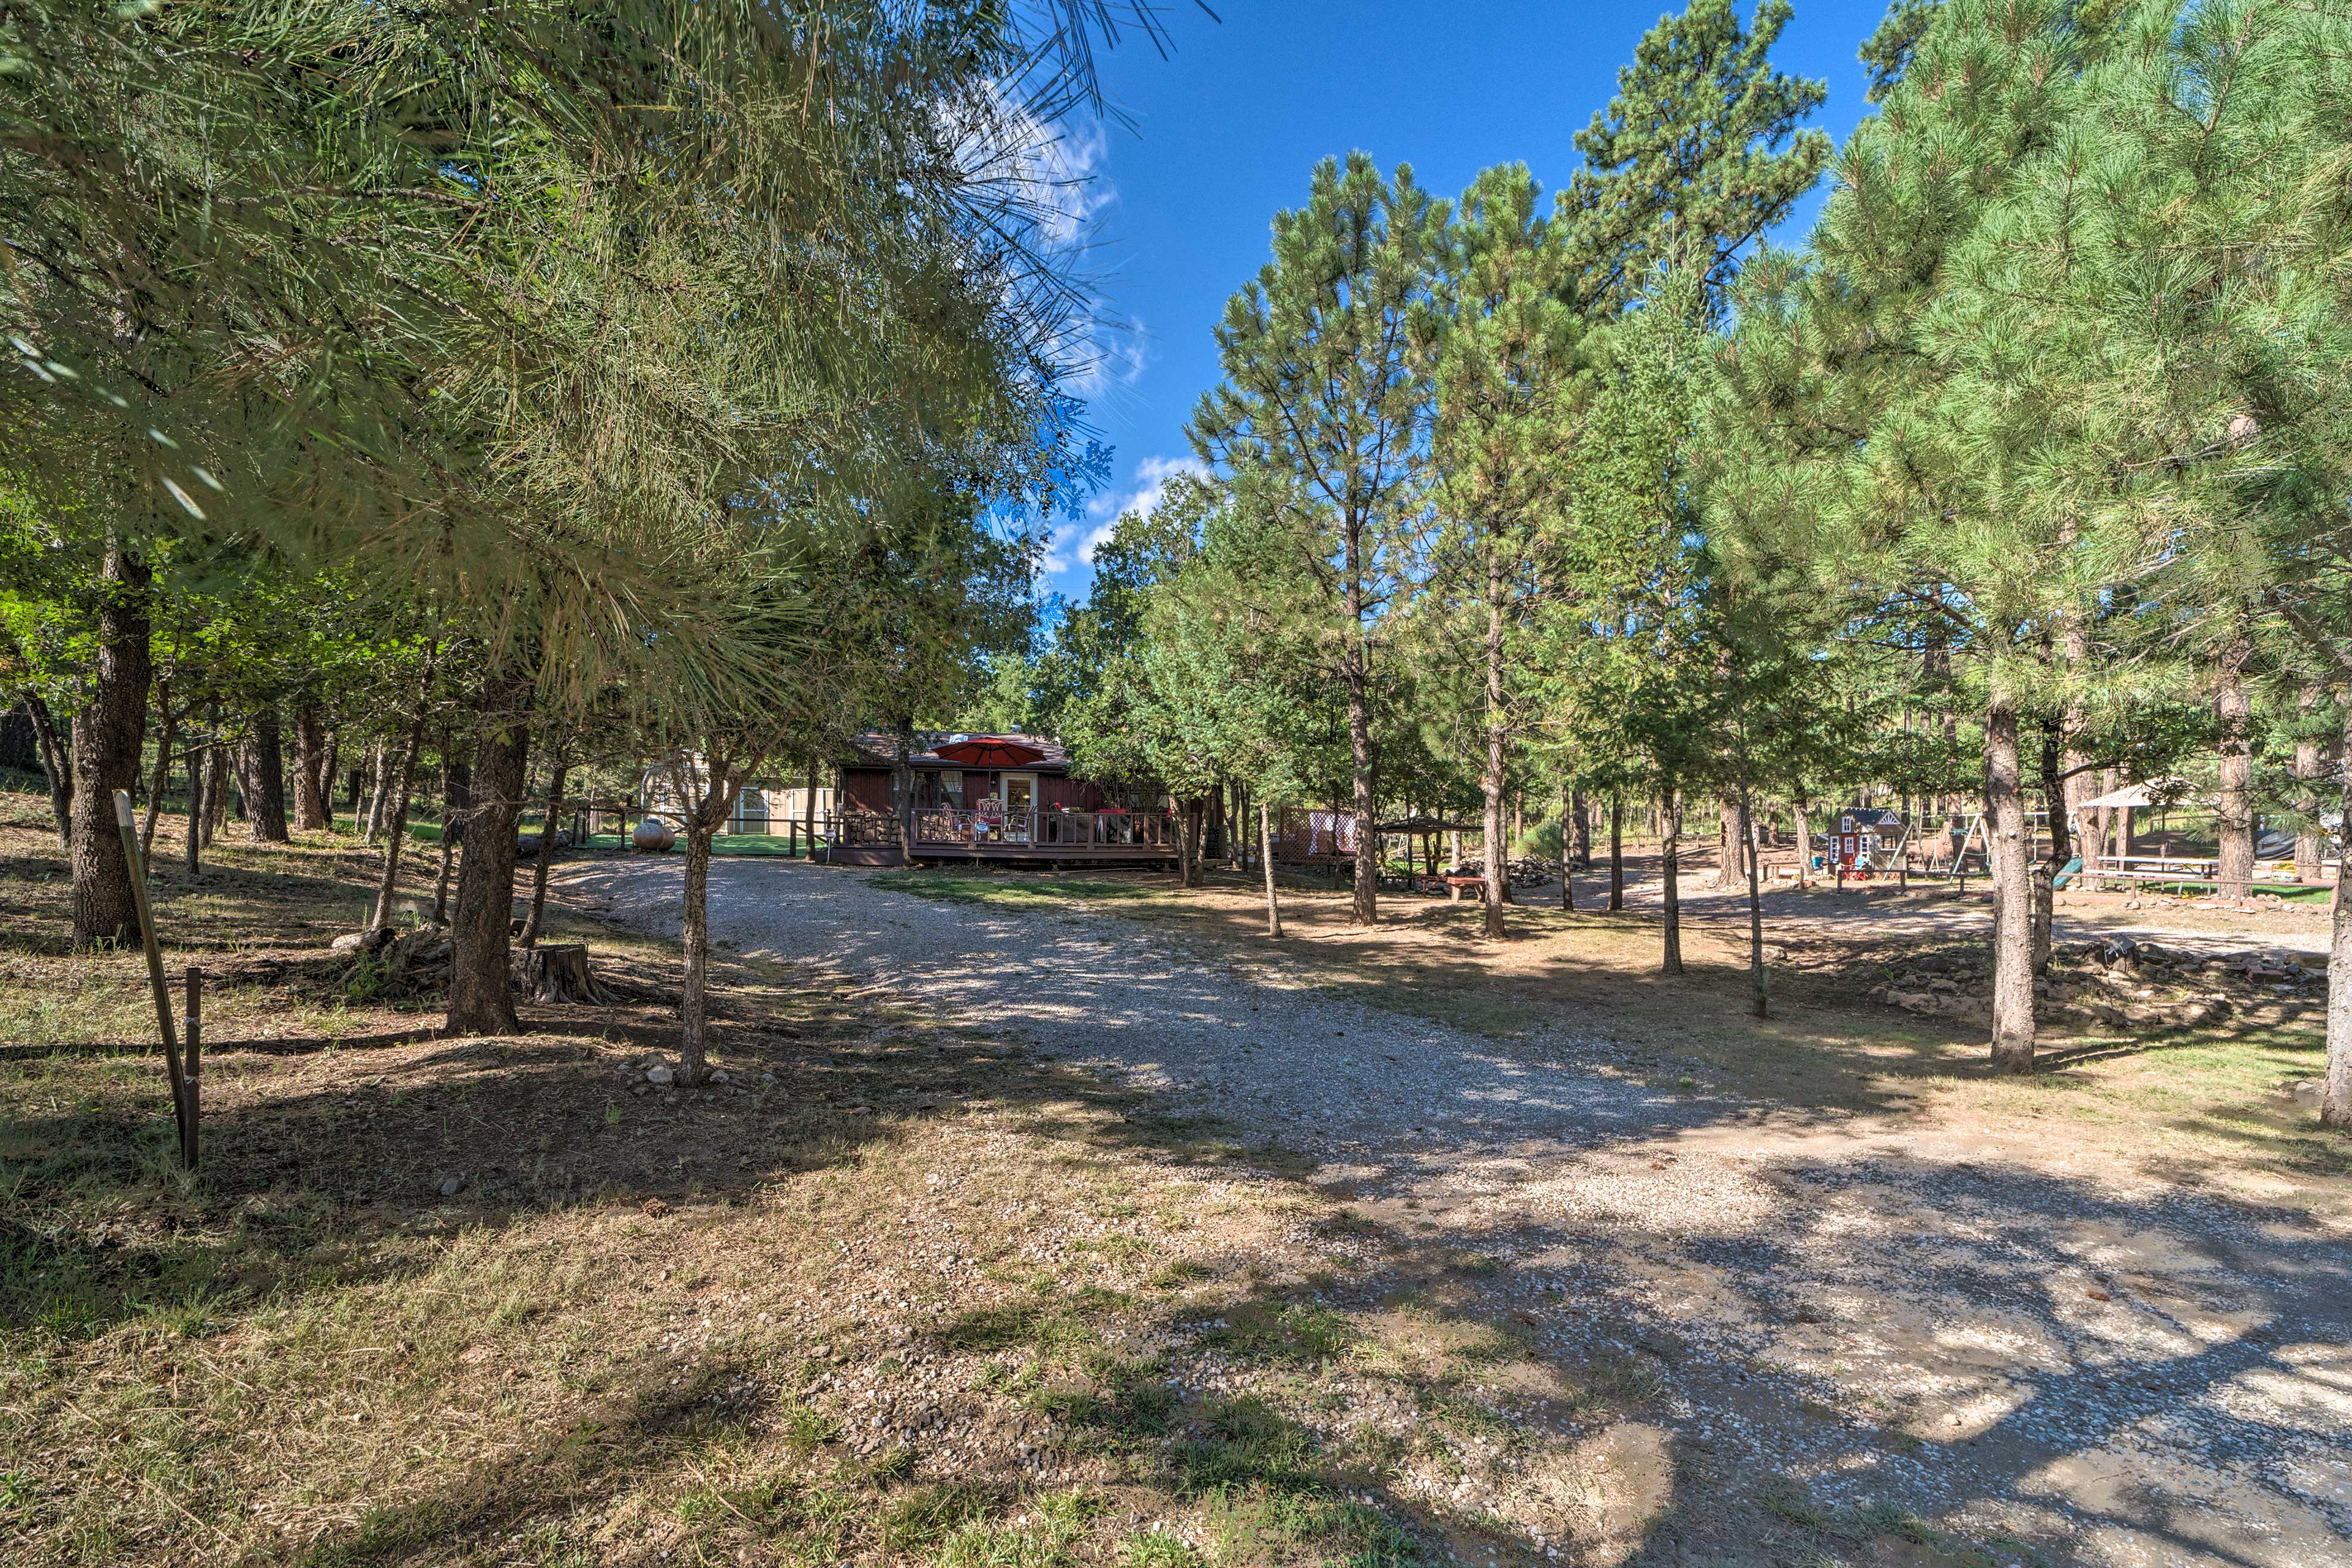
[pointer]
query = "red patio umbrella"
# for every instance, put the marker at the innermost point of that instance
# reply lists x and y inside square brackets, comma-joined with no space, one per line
[991,752]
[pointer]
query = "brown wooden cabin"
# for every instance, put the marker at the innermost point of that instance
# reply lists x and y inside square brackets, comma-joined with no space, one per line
[1007,799]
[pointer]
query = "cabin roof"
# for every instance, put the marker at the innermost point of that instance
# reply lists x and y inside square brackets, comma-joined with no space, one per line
[878,749]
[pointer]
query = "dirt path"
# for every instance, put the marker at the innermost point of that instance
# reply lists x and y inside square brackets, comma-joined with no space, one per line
[1966,1324]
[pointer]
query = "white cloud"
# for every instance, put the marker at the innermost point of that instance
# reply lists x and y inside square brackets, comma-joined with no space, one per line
[1142,493]
[1114,354]
[1050,184]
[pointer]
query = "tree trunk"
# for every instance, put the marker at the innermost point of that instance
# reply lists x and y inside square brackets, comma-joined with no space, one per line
[216,783]
[1727,822]
[2308,773]
[1670,830]
[1804,848]
[199,804]
[396,831]
[1581,811]
[2234,705]
[1759,984]
[167,730]
[703,816]
[1616,853]
[1490,778]
[902,774]
[2064,795]
[379,782]
[1359,728]
[1572,808]
[808,812]
[264,806]
[2012,892]
[693,1001]
[1183,844]
[313,767]
[481,999]
[2046,867]
[1266,857]
[456,800]
[57,761]
[108,736]
[2336,1090]
[532,922]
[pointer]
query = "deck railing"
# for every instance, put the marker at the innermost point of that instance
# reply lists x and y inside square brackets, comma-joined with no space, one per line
[1043,828]
[954,827]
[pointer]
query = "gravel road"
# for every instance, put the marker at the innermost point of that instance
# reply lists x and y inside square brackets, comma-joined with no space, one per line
[2000,1334]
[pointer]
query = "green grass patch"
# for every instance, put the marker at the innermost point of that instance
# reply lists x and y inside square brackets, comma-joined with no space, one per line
[1158,1549]
[1291,1331]
[1283,1525]
[1246,1442]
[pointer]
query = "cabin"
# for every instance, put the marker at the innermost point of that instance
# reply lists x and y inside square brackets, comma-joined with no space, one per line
[763,807]
[1009,799]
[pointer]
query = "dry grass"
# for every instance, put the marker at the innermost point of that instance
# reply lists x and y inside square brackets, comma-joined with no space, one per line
[2205,1106]
[899,1295]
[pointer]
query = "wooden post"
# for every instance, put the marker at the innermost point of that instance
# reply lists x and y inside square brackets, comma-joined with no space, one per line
[128,826]
[1616,853]
[191,1115]
[1265,858]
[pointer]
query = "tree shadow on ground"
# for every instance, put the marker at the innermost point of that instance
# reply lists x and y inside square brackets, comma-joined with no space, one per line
[1846,1347]
[1820,1376]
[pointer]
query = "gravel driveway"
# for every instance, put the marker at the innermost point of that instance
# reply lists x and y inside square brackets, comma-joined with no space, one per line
[1992,1335]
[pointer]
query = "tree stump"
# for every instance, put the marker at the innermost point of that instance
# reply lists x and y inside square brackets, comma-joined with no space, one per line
[560,974]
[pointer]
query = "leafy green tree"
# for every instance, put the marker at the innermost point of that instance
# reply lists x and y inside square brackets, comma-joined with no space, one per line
[1645,567]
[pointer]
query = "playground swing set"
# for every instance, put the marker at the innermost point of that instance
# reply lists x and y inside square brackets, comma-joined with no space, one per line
[1872,842]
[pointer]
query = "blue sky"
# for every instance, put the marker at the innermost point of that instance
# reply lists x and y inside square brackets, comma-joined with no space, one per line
[1228,126]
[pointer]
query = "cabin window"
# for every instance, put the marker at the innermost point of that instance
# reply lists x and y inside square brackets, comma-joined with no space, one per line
[951,787]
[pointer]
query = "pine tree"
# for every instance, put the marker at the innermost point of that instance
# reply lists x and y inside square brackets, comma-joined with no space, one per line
[1319,420]
[1638,555]
[1503,347]
[2191,242]
[1922,492]
[1698,154]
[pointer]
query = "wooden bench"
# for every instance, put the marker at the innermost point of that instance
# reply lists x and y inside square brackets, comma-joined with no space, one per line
[1453,886]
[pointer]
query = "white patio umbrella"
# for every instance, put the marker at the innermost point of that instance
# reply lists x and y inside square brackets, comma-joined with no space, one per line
[2157,792]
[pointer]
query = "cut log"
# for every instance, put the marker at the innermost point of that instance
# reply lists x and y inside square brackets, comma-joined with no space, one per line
[420,960]
[560,974]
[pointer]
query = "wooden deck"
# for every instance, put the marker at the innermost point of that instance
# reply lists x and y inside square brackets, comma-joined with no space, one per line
[1042,838]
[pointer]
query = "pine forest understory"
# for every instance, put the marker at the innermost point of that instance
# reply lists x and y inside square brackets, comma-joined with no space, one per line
[1680,900]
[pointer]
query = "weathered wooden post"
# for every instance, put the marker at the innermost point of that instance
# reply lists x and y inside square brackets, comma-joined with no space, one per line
[192,1113]
[126,824]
